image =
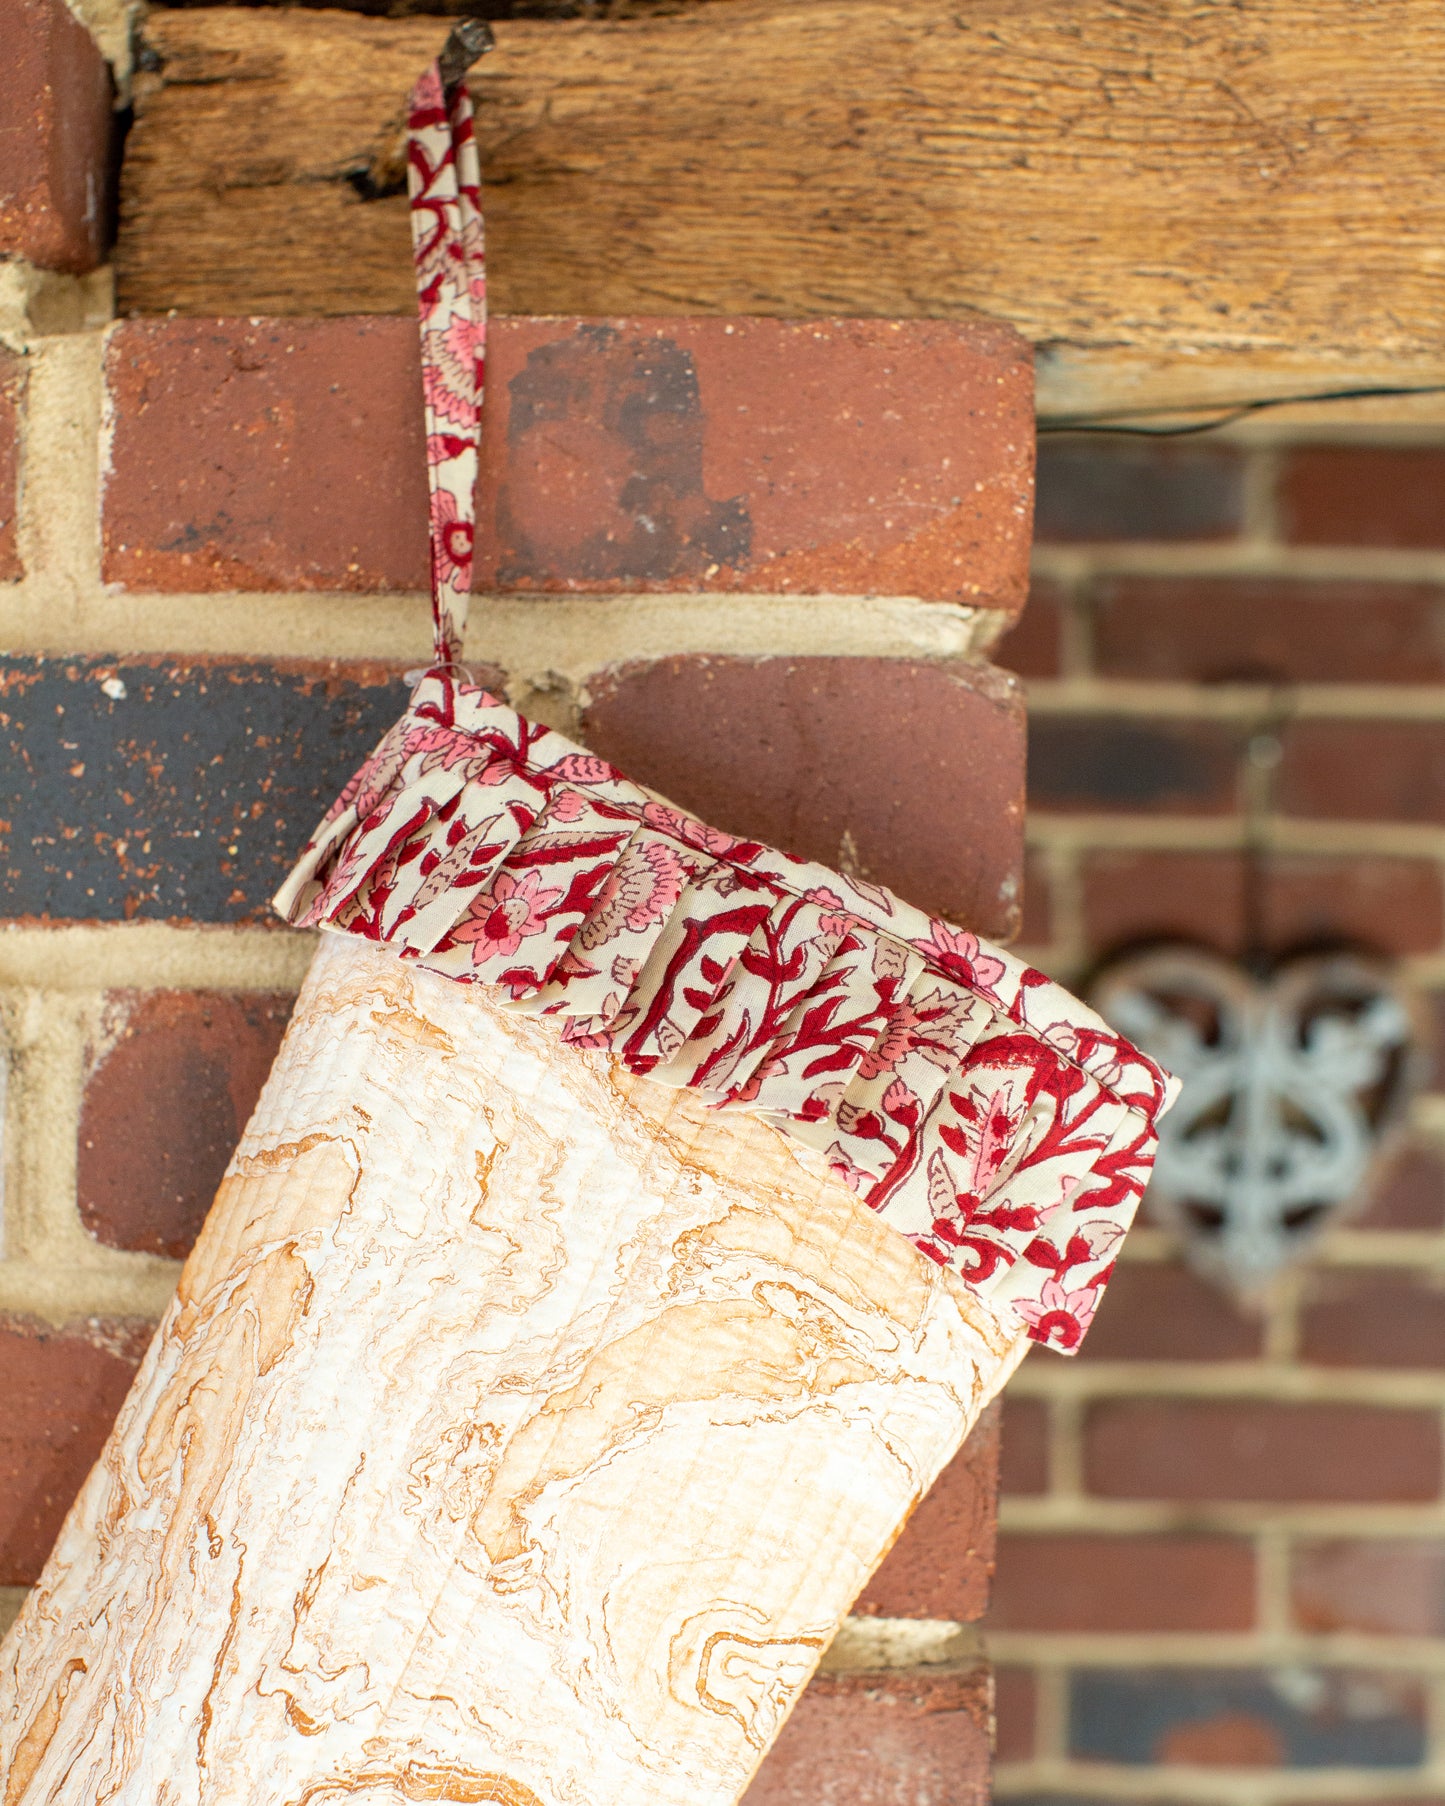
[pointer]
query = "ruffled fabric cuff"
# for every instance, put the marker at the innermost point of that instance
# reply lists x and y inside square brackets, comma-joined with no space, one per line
[981,1110]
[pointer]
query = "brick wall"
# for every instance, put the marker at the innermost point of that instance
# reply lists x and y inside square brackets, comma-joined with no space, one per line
[1221,1570]
[212,534]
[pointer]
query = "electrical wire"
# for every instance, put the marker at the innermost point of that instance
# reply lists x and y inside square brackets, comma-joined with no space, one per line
[1109,423]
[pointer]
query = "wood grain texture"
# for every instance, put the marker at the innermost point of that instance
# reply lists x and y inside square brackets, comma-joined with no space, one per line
[1251,193]
[520,1432]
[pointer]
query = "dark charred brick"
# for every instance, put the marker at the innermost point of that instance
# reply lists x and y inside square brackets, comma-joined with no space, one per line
[57,138]
[617,456]
[1244,1719]
[154,788]
[169,1088]
[1109,762]
[941,1564]
[1095,488]
[905,773]
[62,1389]
[894,1738]
[762,454]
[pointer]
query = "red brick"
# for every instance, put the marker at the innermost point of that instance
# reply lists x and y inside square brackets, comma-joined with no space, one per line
[1024,1446]
[12,390]
[57,138]
[906,773]
[314,475]
[898,1738]
[1167,1313]
[1434,1011]
[1373,1319]
[1410,1194]
[179,789]
[1260,1450]
[1364,771]
[941,1565]
[1036,927]
[1126,765]
[1068,1582]
[1102,487]
[1391,905]
[62,1389]
[1033,647]
[618,456]
[1269,630]
[1363,495]
[1377,1799]
[171,1085]
[1015,1696]
[1388,1587]
[1394,905]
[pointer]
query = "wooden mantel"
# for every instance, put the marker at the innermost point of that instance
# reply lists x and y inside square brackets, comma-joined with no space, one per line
[1180,202]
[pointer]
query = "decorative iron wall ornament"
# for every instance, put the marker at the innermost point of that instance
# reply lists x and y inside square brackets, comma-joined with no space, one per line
[1294,1069]
[1292,1082]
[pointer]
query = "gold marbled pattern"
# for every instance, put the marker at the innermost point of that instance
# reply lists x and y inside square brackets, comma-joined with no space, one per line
[519,1433]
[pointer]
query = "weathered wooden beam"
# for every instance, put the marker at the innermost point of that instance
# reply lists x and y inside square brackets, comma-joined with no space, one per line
[1182,201]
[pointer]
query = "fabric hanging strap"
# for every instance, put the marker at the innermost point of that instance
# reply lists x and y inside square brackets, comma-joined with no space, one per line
[444,183]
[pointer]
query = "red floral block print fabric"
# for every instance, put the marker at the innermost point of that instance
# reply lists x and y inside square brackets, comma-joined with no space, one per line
[987,1115]
[992,1119]
[444,184]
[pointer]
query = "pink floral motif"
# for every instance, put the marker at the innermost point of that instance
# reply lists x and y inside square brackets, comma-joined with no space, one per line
[639,892]
[690,832]
[513,910]
[898,1037]
[1059,1316]
[451,540]
[984,1134]
[960,955]
[836,919]
[581,768]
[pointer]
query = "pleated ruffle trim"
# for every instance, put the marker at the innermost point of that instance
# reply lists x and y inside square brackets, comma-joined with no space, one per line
[981,1110]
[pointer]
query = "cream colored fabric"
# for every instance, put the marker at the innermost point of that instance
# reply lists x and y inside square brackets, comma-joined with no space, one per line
[520,1432]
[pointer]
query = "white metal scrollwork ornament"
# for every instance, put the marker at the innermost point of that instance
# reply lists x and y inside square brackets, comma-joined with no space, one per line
[1291,1082]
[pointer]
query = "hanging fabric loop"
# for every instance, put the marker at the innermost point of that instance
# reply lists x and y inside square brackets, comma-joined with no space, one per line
[444,184]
